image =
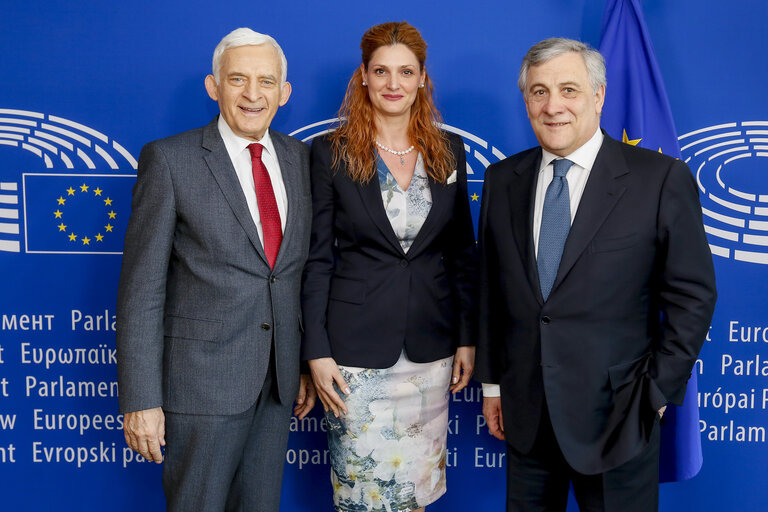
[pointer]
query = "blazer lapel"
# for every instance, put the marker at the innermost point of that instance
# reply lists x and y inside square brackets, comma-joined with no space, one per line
[223,172]
[441,202]
[292,181]
[601,194]
[370,194]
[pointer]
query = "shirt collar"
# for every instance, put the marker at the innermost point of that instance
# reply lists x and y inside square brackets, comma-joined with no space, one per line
[236,144]
[584,156]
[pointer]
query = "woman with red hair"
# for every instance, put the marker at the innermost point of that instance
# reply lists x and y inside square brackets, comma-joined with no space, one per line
[388,294]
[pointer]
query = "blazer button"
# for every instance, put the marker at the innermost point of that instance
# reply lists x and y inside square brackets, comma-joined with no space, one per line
[272,279]
[266,326]
[545,320]
[403,263]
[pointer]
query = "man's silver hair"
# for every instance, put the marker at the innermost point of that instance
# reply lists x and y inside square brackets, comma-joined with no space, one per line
[247,37]
[548,49]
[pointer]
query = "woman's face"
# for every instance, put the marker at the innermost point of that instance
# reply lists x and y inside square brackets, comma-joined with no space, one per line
[393,77]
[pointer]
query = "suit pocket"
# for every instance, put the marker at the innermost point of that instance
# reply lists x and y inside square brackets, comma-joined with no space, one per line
[347,290]
[614,243]
[192,328]
[625,373]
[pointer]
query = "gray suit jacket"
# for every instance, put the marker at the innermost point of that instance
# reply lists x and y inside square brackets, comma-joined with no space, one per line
[198,305]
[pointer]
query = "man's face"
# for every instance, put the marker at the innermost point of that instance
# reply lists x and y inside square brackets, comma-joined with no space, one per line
[249,91]
[563,109]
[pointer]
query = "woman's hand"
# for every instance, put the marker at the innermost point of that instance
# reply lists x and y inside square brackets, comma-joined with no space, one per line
[325,372]
[463,366]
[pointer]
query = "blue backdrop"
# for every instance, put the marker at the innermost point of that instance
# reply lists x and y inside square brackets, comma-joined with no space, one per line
[86,84]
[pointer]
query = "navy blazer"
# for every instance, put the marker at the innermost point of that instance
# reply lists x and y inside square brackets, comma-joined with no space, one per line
[627,315]
[363,298]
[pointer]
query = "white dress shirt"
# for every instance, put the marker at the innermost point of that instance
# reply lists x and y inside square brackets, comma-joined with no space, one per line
[583,159]
[240,155]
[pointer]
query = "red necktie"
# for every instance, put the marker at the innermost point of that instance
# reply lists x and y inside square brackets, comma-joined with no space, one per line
[268,212]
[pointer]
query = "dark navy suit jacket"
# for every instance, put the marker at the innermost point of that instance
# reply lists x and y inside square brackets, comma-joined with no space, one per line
[629,311]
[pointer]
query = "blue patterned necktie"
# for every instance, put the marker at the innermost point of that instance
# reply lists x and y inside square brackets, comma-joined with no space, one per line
[555,224]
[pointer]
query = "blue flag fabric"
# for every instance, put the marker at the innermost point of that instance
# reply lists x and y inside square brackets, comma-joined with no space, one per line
[637,112]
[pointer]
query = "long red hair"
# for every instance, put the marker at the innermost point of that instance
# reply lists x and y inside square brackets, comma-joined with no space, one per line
[353,141]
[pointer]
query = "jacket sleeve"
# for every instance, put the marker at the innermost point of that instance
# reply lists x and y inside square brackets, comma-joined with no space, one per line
[319,268]
[488,356]
[686,292]
[141,292]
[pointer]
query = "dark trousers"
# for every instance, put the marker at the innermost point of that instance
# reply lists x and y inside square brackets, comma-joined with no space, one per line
[539,481]
[228,463]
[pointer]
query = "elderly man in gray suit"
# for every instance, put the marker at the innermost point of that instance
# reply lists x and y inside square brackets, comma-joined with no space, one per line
[208,328]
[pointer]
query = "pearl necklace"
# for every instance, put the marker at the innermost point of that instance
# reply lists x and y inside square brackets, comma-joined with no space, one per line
[401,154]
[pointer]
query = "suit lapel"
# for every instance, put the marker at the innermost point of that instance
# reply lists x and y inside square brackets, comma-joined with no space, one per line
[601,194]
[522,193]
[224,173]
[292,181]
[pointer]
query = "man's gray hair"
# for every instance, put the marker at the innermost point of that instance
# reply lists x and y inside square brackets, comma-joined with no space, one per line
[548,49]
[247,37]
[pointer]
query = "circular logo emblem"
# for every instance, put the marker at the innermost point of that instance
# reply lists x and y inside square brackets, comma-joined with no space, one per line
[728,162]
[55,196]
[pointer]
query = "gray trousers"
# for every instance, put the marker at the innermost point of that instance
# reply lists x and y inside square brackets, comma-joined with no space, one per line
[228,463]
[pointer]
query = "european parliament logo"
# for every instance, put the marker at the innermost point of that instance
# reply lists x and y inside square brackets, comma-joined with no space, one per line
[729,163]
[480,153]
[82,209]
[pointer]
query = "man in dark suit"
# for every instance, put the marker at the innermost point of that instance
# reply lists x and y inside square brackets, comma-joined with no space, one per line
[208,329]
[597,291]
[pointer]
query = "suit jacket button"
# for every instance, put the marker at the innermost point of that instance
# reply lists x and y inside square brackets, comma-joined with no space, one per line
[272,279]
[266,326]
[545,320]
[403,263]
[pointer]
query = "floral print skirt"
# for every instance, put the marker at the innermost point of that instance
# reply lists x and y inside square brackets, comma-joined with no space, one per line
[388,453]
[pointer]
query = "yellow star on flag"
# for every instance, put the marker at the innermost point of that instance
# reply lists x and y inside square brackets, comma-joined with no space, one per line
[97,191]
[70,191]
[112,215]
[108,227]
[72,237]
[475,197]
[86,240]
[626,140]
[61,200]
[99,237]
[58,214]
[108,202]
[83,188]
[62,227]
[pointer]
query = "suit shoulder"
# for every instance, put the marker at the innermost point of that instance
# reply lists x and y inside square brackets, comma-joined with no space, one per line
[293,143]
[635,155]
[187,138]
[524,158]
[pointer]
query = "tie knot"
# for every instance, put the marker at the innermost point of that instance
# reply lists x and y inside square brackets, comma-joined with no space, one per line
[561,166]
[255,149]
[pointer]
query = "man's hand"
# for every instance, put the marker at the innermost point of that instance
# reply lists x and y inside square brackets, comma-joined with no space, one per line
[493,416]
[306,399]
[463,366]
[145,432]
[661,411]
[325,372]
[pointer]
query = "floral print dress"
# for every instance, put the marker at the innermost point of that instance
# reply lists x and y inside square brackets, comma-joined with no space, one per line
[388,454]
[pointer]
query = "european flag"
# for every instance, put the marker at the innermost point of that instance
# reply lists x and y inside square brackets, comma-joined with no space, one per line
[76,213]
[637,112]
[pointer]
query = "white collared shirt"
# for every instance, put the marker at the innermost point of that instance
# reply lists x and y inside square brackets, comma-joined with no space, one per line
[237,148]
[583,159]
